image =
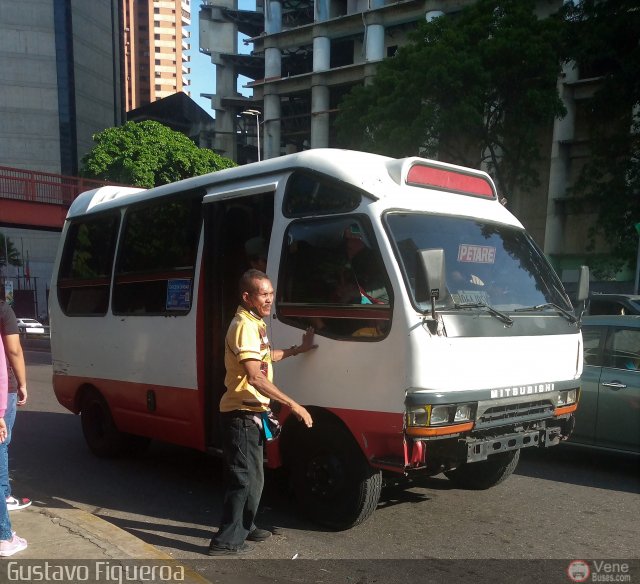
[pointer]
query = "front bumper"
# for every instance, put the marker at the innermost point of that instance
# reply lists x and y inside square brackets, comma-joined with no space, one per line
[481,448]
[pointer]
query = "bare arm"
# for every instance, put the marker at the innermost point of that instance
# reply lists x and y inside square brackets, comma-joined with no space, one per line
[259,380]
[13,349]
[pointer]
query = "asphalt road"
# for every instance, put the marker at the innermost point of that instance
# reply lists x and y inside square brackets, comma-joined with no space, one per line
[560,504]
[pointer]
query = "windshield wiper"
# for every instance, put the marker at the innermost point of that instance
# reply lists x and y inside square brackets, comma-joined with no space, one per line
[568,315]
[499,315]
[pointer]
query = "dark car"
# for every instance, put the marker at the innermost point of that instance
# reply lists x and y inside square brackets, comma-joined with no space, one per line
[613,304]
[608,415]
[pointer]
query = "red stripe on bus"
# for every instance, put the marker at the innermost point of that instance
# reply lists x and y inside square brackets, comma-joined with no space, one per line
[369,312]
[178,417]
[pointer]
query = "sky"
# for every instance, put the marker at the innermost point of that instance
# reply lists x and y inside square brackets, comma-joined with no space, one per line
[203,72]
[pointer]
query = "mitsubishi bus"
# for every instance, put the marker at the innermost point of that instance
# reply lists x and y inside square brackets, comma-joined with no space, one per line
[446,342]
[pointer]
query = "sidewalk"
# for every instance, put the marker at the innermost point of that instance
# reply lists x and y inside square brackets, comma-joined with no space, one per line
[62,532]
[58,532]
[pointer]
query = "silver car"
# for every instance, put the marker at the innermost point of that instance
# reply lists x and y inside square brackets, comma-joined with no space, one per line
[30,326]
[608,415]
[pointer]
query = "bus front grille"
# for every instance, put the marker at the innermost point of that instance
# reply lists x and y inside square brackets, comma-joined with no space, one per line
[515,412]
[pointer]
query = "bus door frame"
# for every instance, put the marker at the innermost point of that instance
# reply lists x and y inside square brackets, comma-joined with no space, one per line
[216,294]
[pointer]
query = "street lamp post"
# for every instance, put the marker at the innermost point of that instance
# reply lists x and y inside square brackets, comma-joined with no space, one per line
[256,113]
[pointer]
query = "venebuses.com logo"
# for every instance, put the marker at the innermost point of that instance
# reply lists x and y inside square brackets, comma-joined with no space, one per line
[598,571]
[578,571]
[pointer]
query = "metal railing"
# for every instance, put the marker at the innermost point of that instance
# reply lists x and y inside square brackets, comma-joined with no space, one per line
[42,187]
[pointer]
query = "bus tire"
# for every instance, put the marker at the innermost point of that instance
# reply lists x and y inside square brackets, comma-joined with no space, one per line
[331,479]
[98,427]
[478,476]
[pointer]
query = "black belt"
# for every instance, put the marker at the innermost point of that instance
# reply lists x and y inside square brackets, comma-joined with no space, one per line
[241,414]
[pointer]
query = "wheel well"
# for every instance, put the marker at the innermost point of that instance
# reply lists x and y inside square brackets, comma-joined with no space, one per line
[83,390]
[322,419]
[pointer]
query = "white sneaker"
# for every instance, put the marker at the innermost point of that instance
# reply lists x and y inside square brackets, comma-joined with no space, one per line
[16,544]
[14,504]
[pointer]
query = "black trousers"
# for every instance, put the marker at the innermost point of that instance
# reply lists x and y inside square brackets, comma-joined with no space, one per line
[244,473]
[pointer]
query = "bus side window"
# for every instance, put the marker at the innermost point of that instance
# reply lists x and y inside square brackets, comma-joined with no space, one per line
[333,278]
[85,271]
[156,258]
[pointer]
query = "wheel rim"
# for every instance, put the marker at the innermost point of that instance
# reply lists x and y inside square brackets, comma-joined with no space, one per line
[325,476]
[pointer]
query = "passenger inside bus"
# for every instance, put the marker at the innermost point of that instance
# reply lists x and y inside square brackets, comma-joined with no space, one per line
[257,250]
[361,279]
[331,263]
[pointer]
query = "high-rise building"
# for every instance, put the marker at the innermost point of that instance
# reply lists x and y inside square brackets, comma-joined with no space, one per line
[60,80]
[155,38]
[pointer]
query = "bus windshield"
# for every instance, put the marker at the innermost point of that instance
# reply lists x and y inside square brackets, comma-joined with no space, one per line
[486,263]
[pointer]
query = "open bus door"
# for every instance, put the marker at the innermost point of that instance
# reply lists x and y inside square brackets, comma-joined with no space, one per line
[231,218]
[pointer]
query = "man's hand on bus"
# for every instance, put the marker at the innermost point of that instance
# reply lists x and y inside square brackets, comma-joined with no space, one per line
[302,414]
[307,341]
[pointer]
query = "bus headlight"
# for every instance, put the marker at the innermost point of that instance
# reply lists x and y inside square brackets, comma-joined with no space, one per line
[567,398]
[439,415]
[463,413]
[418,416]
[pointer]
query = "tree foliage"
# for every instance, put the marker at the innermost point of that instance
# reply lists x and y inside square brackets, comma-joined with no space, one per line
[147,154]
[8,251]
[470,88]
[603,38]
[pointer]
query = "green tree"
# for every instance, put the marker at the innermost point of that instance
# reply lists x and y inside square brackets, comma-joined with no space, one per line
[148,154]
[470,88]
[8,251]
[603,38]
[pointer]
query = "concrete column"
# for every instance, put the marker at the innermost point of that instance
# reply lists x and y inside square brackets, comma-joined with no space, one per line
[433,14]
[319,91]
[321,53]
[273,17]
[319,116]
[272,63]
[563,133]
[272,131]
[374,50]
[321,10]
[272,68]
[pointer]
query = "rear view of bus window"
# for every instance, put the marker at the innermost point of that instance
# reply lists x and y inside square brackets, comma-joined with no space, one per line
[156,258]
[85,270]
[333,278]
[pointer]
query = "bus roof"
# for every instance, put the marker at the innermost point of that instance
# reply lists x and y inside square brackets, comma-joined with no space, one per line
[370,172]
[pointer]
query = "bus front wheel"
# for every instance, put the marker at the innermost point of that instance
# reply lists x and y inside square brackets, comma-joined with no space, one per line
[98,427]
[331,479]
[478,476]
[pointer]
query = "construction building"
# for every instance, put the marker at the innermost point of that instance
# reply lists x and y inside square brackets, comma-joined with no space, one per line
[306,55]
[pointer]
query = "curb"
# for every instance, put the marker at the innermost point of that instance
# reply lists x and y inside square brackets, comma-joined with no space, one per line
[115,543]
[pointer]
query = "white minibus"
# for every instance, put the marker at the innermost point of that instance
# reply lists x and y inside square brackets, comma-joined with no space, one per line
[446,341]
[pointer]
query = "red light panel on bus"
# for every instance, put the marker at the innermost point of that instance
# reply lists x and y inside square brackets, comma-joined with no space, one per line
[438,178]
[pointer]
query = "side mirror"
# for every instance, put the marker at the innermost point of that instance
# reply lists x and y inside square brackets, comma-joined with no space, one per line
[430,277]
[583,283]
